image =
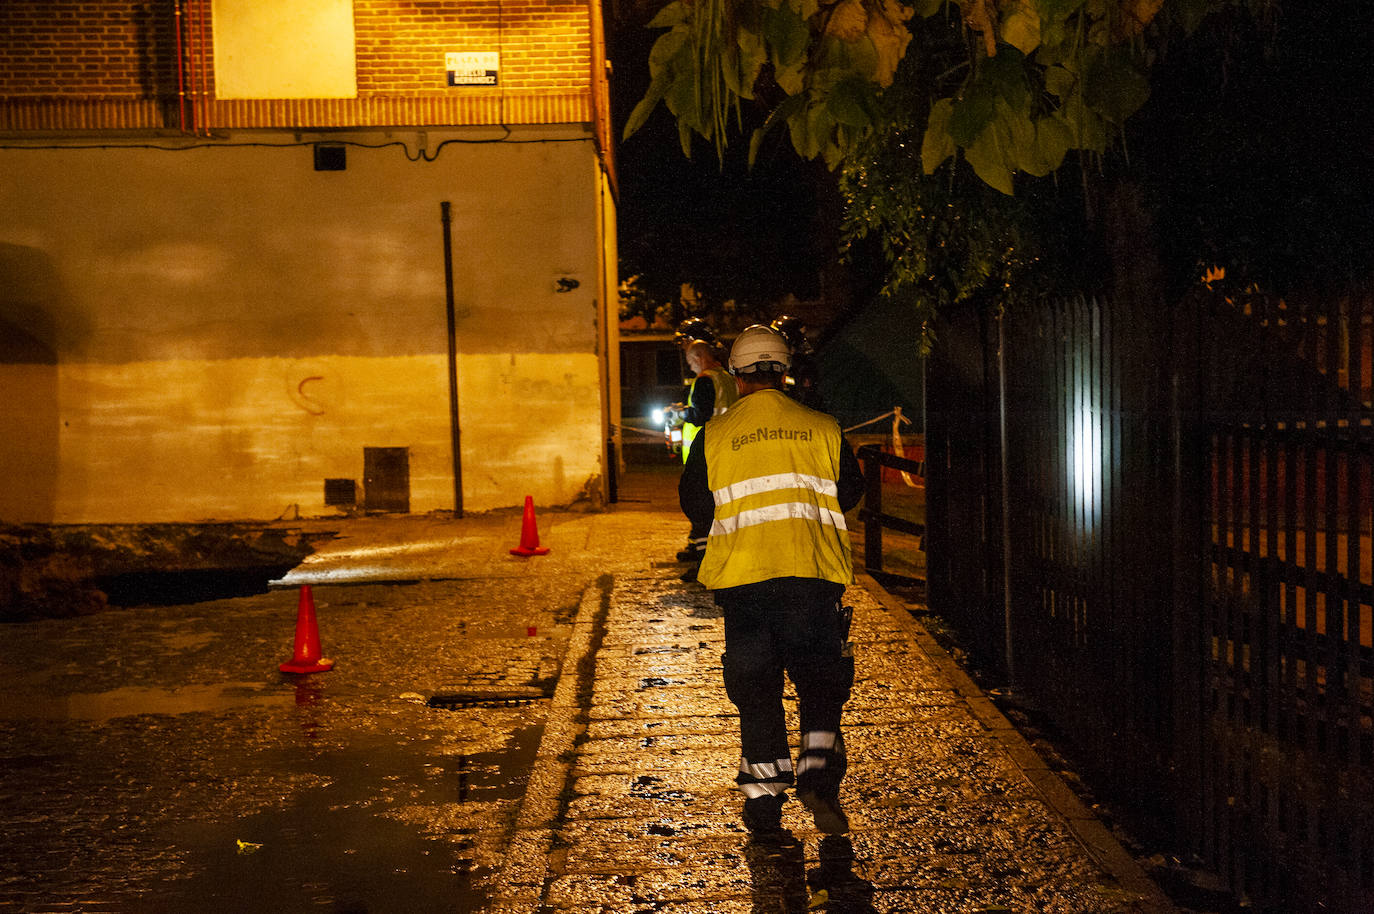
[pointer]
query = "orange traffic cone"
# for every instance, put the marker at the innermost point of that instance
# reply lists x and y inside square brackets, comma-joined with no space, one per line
[529,534]
[307,657]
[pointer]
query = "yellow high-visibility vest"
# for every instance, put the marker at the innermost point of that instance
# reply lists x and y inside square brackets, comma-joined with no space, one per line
[726,394]
[773,467]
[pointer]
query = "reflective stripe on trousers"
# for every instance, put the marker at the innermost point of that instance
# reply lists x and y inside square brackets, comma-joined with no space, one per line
[758,779]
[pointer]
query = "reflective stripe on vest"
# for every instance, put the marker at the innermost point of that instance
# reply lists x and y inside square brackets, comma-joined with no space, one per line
[772,467]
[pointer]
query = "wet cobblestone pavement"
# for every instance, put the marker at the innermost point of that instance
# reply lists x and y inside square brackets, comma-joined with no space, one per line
[950,810]
[153,759]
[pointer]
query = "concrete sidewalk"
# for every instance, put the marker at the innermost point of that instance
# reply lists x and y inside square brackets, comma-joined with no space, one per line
[631,805]
[145,749]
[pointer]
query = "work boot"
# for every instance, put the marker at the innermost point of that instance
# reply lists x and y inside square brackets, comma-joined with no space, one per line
[830,818]
[690,575]
[763,815]
[690,554]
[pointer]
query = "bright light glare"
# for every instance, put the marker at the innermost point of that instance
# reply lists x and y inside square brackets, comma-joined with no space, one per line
[658,416]
[1086,471]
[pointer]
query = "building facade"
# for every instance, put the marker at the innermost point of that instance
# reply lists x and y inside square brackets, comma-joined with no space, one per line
[259,258]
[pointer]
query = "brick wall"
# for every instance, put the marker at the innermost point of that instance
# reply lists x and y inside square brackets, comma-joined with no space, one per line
[543,45]
[128,48]
[117,48]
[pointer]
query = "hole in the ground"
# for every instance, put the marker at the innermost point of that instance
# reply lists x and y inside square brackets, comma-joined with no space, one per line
[172,588]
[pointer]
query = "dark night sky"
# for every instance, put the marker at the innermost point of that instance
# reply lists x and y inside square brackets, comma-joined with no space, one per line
[736,232]
[1261,160]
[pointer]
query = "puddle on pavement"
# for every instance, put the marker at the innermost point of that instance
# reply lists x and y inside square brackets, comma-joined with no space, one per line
[130,701]
[341,847]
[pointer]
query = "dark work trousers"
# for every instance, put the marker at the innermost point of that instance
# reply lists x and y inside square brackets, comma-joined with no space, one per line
[696,540]
[787,626]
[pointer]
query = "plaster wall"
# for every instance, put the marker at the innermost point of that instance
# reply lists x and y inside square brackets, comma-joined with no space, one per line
[211,332]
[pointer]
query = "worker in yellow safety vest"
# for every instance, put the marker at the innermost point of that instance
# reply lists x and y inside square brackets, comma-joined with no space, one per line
[712,392]
[774,479]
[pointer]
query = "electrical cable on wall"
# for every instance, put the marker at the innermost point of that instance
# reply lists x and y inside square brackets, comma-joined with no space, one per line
[421,155]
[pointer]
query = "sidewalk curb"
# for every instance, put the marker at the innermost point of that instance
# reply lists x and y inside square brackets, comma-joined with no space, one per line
[1096,839]
[526,874]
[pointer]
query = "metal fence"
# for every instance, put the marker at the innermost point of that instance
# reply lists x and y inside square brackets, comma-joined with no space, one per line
[1157,520]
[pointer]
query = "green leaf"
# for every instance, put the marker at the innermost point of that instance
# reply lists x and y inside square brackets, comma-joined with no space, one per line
[790,107]
[786,34]
[989,161]
[791,80]
[837,59]
[1020,26]
[937,144]
[681,99]
[672,14]
[1059,10]
[848,102]
[972,114]
[819,127]
[669,47]
[1005,77]
[752,56]
[1088,129]
[1113,87]
[1023,151]
[833,154]
[1190,13]
[799,127]
[1060,82]
[1053,140]
[684,136]
[645,107]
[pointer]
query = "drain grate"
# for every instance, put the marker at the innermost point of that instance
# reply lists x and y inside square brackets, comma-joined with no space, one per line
[507,698]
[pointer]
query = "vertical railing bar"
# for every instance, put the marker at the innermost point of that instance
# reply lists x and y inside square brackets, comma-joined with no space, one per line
[1354,685]
[1064,407]
[1350,633]
[1210,838]
[1334,608]
[1103,609]
[1083,566]
[873,501]
[1026,360]
[1126,686]
[1069,582]
[1244,682]
[1269,588]
[1288,644]
[1233,564]
[1311,657]
[1265,816]
[937,402]
[1093,630]
[1100,646]
[1127,690]
[1366,500]
[1052,395]
[1231,608]
[1251,615]
[1072,528]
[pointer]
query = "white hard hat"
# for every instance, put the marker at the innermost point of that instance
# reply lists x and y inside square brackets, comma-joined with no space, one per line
[759,347]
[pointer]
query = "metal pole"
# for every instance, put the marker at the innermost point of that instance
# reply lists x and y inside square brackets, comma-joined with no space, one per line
[447,219]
